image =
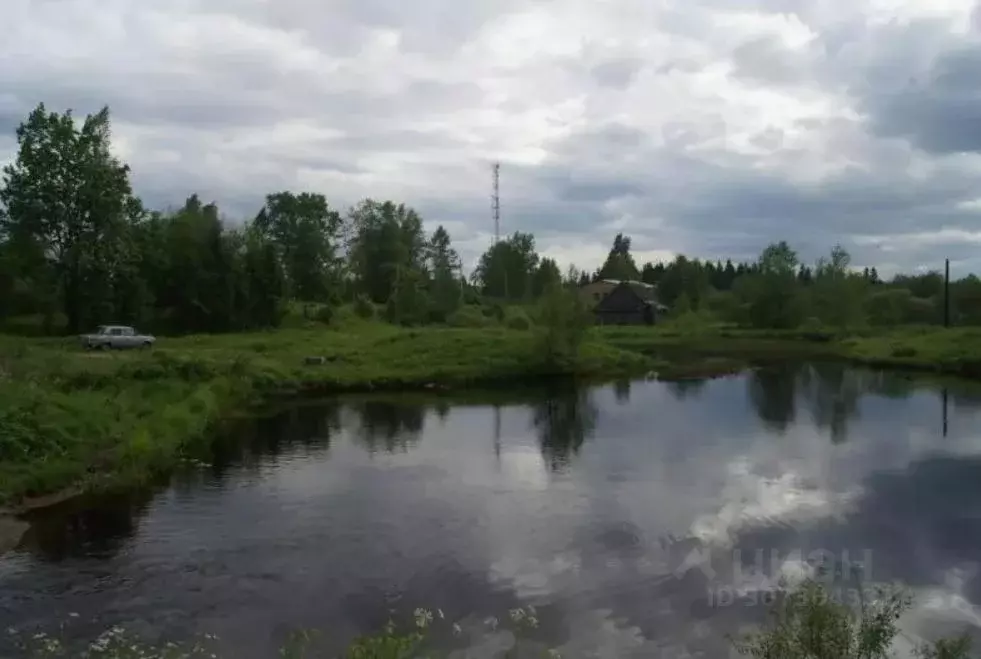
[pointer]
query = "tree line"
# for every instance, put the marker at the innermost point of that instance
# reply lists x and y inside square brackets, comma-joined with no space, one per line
[79,248]
[778,290]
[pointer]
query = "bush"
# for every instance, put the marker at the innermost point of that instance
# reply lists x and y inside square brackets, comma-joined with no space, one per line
[467,316]
[517,319]
[495,311]
[363,307]
[563,322]
[325,314]
[808,622]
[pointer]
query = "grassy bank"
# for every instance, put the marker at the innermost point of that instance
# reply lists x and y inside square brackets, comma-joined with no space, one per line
[76,419]
[93,419]
[955,351]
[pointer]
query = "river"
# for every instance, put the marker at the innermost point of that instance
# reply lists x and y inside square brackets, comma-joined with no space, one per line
[641,518]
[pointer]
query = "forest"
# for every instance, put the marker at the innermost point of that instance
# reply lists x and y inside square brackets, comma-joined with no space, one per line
[79,248]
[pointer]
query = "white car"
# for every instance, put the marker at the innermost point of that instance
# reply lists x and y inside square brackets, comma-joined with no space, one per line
[119,337]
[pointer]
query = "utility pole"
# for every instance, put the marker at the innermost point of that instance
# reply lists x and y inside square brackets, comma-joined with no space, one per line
[946,292]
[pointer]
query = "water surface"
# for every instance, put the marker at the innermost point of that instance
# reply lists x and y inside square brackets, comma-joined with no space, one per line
[614,510]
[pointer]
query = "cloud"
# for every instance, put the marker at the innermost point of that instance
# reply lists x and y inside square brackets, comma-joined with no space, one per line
[694,127]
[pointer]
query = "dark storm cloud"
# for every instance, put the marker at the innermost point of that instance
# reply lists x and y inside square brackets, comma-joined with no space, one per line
[940,111]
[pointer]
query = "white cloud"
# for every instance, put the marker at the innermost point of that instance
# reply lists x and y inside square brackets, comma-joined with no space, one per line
[695,127]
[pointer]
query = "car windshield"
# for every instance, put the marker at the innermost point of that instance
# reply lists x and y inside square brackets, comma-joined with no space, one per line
[101,329]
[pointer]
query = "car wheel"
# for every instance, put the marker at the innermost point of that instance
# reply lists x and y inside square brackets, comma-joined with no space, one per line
[105,346]
[146,345]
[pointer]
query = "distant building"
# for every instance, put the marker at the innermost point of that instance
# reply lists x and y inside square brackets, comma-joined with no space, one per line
[617,302]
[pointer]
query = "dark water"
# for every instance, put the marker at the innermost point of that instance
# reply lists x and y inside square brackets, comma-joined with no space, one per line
[614,510]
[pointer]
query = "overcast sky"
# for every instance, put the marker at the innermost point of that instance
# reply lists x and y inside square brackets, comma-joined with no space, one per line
[690,125]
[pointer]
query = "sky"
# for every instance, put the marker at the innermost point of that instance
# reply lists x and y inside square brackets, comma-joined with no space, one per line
[703,127]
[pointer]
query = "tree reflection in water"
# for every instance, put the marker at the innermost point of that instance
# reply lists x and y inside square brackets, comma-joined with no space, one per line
[564,420]
[252,442]
[387,424]
[831,391]
[621,391]
[773,394]
[686,387]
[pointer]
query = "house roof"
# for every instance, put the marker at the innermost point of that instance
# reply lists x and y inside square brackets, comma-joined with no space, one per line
[645,292]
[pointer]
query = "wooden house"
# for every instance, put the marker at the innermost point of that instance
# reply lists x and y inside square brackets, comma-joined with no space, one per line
[628,303]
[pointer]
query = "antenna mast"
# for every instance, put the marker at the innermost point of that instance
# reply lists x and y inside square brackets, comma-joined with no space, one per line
[496,202]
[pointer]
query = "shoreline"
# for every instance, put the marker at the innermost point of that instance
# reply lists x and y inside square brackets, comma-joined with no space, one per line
[147,413]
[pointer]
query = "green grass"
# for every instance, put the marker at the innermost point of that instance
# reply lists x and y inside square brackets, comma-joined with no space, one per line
[72,418]
[101,419]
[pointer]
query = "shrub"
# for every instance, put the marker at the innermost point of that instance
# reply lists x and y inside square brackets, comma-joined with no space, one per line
[467,316]
[363,307]
[495,311]
[563,321]
[325,314]
[517,319]
[810,623]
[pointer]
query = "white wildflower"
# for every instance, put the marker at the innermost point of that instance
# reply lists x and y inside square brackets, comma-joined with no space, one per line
[516,614]
[554,654]
[439,612]
[72,615]
[457,630]
[423,618]
[491,622]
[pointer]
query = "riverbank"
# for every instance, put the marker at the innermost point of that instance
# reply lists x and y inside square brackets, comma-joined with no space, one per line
[100,419]
[78,420]
[953,352]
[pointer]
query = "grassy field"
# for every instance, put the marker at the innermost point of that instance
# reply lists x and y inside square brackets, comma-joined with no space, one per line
[92,419]
[79,419]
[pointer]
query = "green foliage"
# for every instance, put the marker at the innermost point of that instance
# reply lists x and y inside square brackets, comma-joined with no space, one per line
[446,288]
[517,319]
[562,324]
[387,247]
[507,270]
[387,645]
[619,263]
[837,294]
[69,213]
[363,307]
[809,624]
[306,234]
[468,316]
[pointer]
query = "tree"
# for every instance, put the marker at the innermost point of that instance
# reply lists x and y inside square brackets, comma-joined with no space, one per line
[562,323]
[546,275]
[306,231]
[444,265]
[837,293]
[387,242]
[68,201]
[506,270]
[619,263]
[770,292]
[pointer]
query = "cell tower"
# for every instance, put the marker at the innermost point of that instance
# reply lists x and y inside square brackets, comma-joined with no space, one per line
[496,202]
